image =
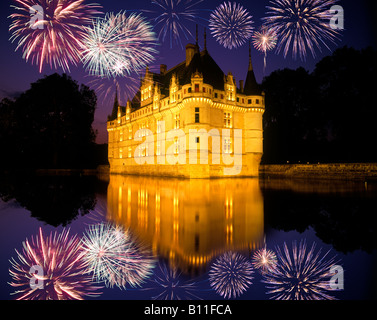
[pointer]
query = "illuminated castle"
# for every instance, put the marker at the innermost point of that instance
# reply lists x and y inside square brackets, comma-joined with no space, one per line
[190,121]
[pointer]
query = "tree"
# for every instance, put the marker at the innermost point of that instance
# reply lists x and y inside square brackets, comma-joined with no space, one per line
[290,96]
[347,82]
[49,125]
[328,115]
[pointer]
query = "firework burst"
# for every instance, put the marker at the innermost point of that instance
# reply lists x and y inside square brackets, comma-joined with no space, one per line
[172,285]
[300,275]
[171,19]
[63,274]
[118,45]
[264,40]
[50,31]
[113,257]
[124,87]
[231,25]
[231,275]
[301,25]
[264,260]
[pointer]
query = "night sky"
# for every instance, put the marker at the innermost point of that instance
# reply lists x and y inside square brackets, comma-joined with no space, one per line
[16,74]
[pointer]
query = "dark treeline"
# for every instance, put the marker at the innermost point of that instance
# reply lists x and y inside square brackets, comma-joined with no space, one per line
[50,126]
[329,115]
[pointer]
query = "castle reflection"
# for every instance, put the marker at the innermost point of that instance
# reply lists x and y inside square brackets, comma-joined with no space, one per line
[189,222]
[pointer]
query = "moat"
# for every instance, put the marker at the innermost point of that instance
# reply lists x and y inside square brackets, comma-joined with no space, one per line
[187,228]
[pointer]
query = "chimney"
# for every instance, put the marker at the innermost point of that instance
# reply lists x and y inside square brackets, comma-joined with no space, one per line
[190,51]
[241,85]
[163,68]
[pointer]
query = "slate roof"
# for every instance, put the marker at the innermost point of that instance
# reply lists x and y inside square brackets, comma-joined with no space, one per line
[203,63]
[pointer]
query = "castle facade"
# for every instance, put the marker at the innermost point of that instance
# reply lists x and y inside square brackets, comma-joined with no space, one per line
[191,121]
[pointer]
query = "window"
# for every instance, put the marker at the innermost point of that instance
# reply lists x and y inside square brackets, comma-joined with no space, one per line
[159,124]
[177,121]
[196,242]
[222,96]
[257,101]
[197,118]
[204,89]
[215,94]
[197,139]
[129,152]
[196,87]
[249,101]
[189,90]
[227,120]
[176,145]
[227,145]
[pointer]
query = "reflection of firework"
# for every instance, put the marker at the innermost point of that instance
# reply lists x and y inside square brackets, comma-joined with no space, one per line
[231,275]
[118,45]
[301,24]
[264,40]
[299,275]
[53,36]
[63,277]
[231,25]
[113,257]
[171,285]
[264,260]
[171,18]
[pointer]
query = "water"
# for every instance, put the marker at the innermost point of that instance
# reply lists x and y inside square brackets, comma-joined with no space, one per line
[187,225]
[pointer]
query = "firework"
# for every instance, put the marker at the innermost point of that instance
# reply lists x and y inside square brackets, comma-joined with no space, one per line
[231,25]
[301,25]
[264,40]
[118,45]
[107,88]
[264,260]
[50,31]
[58,257]
[172,285]
[300,274]
[231,275]
[171,18]
[113,257]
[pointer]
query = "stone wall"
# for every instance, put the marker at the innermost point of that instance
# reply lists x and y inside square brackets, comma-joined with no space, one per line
[348,171]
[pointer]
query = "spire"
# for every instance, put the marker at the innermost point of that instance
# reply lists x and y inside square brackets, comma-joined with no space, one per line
[205,39]
[197,35]
[251,86]
[114,112]
[250,63]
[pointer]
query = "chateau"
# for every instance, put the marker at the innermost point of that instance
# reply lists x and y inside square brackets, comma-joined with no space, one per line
[191,121]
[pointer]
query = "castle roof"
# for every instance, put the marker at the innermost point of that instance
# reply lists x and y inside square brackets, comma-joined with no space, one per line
[203,63]
[251,86]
